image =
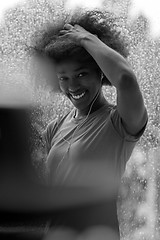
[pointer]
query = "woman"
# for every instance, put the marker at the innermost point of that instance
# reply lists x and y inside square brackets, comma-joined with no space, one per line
[87,53]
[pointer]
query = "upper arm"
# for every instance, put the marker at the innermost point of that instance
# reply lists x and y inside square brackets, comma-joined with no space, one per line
[130,104]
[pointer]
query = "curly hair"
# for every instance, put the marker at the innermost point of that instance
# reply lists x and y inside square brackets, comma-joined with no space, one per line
[102,24]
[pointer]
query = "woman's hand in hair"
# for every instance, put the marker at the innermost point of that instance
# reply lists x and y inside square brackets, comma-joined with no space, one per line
[76,32]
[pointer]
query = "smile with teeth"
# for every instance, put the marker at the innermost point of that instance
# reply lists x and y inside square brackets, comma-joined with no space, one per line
[78,96]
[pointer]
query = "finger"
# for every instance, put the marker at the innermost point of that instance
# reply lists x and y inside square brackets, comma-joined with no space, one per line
[68,26]
[62,35]
[63,32]
[78,26]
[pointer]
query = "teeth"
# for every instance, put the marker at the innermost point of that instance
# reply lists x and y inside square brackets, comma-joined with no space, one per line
[78,96]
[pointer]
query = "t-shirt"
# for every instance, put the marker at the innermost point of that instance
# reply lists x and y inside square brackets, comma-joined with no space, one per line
[101,137]
[98,138]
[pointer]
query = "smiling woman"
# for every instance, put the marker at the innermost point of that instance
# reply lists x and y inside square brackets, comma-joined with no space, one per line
[91,145]
[79,83]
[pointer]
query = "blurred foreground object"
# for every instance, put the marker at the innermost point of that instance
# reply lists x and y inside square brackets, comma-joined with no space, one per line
[96,233]
[18,183]
[23,201]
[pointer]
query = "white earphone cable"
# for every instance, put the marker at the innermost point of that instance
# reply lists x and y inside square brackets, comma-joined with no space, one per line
[78,127]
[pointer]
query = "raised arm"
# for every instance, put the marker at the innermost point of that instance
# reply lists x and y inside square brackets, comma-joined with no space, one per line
[118,71]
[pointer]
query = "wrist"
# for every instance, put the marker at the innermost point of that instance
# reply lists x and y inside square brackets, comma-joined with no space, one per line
[88,39]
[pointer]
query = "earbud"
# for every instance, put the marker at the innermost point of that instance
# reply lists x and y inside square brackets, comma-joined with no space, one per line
[102,76]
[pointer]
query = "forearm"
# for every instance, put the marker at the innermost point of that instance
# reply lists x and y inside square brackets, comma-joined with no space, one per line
[112,64]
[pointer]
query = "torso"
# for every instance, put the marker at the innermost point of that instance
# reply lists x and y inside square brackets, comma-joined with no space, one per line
[99,139]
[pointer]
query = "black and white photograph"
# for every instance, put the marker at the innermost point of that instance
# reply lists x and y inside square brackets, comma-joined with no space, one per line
[80,120]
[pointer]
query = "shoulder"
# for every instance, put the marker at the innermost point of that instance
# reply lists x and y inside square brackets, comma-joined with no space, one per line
[51,130]
[53,125]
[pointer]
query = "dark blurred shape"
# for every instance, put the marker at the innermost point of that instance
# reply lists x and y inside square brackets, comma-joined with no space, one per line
[16,170]
[25,205]
[15,151]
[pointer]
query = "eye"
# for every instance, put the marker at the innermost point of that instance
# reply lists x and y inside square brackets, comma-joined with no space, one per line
[82,74]
[62,78]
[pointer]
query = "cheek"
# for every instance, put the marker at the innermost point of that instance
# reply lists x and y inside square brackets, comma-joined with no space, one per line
[62,86]
[93,82]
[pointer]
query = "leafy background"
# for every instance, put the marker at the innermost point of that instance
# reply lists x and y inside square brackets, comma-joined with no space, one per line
[139,198]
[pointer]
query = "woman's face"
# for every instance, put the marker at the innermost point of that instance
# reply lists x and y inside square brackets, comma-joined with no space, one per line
[79,82]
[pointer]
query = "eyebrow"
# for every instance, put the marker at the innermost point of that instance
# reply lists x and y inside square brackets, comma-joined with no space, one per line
[80,68]
[76,70]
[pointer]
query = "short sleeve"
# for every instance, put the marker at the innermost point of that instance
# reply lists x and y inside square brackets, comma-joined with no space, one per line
[120,129]
[48,134]
[51,130]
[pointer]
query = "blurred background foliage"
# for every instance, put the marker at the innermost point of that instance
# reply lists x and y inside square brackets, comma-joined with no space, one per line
[138,204]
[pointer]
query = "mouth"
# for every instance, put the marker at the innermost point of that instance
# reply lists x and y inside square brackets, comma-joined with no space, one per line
[78,96]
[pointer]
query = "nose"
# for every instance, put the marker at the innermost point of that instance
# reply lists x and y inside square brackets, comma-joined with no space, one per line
[73,85]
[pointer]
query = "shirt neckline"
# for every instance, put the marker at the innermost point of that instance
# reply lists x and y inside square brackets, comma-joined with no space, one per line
[76,120]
